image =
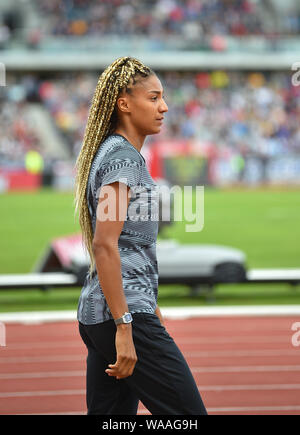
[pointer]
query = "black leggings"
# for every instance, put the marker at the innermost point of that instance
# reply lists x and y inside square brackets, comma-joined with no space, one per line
[161,379]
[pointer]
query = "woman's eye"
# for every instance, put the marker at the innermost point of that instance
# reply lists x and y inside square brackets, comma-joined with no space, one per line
[155,98]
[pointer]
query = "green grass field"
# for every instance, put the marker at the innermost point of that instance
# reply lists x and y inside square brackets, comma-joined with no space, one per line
[264,223]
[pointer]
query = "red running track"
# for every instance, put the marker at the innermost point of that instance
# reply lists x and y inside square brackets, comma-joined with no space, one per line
[242,365]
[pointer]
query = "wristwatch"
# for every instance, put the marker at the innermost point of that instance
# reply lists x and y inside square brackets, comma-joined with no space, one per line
[126,318]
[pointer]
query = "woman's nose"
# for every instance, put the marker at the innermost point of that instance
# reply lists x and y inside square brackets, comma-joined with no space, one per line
[164,107]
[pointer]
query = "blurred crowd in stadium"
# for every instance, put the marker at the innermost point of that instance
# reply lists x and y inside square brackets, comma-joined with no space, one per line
[238,113]
[192,20]
[17,136]
[249,112]
[160,18]
[189,18]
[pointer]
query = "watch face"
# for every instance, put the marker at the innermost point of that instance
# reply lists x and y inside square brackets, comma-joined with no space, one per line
[127,318]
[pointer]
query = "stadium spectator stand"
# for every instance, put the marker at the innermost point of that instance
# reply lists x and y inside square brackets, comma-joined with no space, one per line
[215,25]
[188,18]
[229,115]
[242,122]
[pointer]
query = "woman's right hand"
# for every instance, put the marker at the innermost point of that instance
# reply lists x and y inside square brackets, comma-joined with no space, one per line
[126,355]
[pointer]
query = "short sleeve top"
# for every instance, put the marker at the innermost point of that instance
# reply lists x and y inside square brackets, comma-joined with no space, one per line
[118,160]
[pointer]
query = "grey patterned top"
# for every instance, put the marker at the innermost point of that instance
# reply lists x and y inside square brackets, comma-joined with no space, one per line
[117,159]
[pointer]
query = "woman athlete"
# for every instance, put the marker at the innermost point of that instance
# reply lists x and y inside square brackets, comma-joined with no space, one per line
[131,356]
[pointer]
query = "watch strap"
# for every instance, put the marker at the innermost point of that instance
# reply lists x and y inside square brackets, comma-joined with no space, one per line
[123,319]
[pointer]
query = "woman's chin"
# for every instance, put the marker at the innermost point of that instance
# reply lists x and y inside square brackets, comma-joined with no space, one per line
[157,130]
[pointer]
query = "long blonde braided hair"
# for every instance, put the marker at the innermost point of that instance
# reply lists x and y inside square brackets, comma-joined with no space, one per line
[102,119]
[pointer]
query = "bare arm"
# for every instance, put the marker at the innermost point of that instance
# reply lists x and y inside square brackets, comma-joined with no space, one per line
[108,265]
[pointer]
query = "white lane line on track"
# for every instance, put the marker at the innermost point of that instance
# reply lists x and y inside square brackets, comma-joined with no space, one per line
[202,388]
[82,373]
[45,345]
[200,354]
[254,368]
[243,353]
[232,339]
[76,344]
[249,387]
[65,358]
[41,359]
[41,393]
[38,375]
[228,353]
[54,413]
[180,340]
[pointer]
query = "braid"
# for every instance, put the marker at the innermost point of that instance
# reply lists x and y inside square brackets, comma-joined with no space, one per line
[120,75]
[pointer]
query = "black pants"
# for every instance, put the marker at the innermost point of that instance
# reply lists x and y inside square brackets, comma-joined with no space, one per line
[161,379]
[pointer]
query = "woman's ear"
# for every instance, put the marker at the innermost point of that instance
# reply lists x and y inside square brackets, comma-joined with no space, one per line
[122,104]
